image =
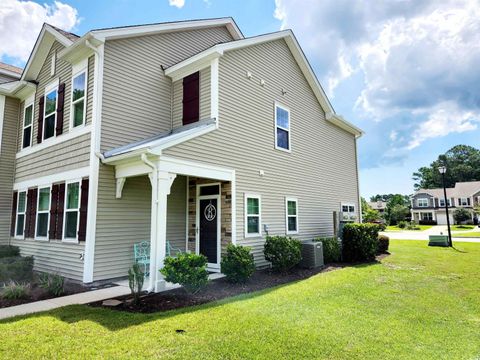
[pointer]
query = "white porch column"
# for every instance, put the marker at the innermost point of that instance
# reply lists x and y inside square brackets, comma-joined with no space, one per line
[160,190]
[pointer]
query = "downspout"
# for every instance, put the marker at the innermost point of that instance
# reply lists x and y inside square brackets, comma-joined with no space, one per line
[153,227]
[358,183]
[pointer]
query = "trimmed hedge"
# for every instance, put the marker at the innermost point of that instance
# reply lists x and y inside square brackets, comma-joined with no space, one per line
[332,251]
[9,251]
[16,268]
[237,264]
[188,270]
[383,243]
[283,252]
[360,242]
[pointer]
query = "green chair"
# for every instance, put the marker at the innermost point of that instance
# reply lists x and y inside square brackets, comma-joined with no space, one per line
[141,253]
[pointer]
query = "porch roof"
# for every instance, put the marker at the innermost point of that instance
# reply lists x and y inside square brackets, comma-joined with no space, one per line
[155,144]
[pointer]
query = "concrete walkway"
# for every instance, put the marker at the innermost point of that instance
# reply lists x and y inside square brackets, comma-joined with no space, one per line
[434,230]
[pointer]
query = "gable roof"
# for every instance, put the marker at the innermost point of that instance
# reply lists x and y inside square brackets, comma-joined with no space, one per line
[69,35]
[199,60]
[461,189]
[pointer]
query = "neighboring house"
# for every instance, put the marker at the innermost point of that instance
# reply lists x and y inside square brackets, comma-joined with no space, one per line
[429,204]
[9,73]
[380,206]
[183,132]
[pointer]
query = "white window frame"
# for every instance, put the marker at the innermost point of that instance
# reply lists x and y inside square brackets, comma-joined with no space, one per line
[287,231]
[22,236]
[48,89]
[49,187]
[83,70]
[283,107]
[449,202]
[253,196]
[461,203]
[65,210]
[425,213]
[28,103]
[423,206]
[349,205]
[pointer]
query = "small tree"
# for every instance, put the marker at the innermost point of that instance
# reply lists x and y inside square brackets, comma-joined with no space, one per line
[371,215]
[135,282]
[460,215]
[398,213]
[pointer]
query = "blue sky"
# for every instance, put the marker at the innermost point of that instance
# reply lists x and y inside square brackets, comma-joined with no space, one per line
[405,71]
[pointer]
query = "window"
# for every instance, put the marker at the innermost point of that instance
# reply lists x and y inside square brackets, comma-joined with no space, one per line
[79,84]
[348,208]
[50,113]
[463,201]
[21,209]
[72,211]
[252,216]
[291,215]
[43,213]
[422,202]
[427,216]
[441,202]
[27,126]
[282,128]
[191,98]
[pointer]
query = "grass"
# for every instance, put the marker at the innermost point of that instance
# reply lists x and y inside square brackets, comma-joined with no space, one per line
[396,228]
[461,227]
[469,234]
[419,303]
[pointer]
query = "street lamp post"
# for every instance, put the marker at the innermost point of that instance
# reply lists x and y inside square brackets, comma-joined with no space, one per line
[443,170]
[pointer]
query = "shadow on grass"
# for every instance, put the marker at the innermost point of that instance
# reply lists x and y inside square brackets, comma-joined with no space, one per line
[115,320]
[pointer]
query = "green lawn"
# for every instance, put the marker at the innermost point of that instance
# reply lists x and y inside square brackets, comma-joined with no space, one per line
[461,227]
[396,228]
[419,303]
[469,234]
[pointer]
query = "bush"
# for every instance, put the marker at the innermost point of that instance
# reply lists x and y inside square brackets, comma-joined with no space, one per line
[331,249]
[383,243]
[283,252]
[237,264]
[360,242]
[53,283]
[188,270]
[427,222]
[135,282]
[460,215]
[413,227]
[402,224]
[14,291]
[9,251]
[16,268]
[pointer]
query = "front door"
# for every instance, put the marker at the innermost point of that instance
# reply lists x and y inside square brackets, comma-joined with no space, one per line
[209,229]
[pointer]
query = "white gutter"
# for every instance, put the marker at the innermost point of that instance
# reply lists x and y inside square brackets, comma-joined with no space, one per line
[153,223]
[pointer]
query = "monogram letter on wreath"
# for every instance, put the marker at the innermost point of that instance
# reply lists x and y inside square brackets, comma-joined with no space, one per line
[210,212]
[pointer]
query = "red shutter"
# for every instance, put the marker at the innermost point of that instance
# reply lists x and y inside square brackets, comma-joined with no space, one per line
[82,226]
[52,232]
[60,107]
[14,213]
[60,210]
[41,104]
[191,98]
[31,213]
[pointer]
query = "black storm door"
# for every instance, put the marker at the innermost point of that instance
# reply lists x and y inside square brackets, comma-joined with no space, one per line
[209,229]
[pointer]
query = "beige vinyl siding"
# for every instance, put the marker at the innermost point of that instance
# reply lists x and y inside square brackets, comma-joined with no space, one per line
[7,165]
[136,93]
[68,155]
[204,98]
[321,169]
[126,221]
[54,256]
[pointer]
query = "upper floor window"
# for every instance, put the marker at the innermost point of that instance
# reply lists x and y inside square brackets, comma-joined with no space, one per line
[463,201]
[291,215]
[441,202]
[21,209]
[72,210]
[191,98]
[348,208]
[43,213]
[422,202]
[282,127]
[50,114]
[252,215]
[27,126]
[79,85]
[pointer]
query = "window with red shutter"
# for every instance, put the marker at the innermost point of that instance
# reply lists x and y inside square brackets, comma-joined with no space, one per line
[31,213]
[41,104]
[52,232]
[60,107]
[14,214]
[82,226]
[191,98]
[60,212]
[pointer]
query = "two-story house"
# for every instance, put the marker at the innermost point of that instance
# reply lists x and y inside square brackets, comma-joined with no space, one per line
[184,134]
[428,205]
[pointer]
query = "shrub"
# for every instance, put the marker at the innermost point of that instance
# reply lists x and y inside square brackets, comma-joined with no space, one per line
[188,270]
[14,290]
[427,222]
[9,251]
[237,264]
[460,215]
[53,283]
[412,226]
[402,224]
[283,252]
[16,268]
[331,249]
[135,282]
[383,243]
[360,242]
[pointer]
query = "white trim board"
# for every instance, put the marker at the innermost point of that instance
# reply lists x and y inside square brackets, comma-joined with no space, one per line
[54,178]
[2,118]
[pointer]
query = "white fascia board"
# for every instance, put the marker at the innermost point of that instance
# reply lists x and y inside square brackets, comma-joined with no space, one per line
[344,124]
[17,89]
[80,49]
[131,31]
[2,116]
[193,64]
[10,73]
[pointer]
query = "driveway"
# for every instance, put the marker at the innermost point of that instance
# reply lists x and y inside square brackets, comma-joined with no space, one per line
[434,230]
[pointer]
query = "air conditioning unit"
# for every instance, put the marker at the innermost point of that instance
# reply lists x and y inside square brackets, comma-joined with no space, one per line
[312,254]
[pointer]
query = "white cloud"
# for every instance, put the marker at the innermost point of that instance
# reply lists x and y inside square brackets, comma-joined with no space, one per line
[21,21]
[177,3]
[419,59]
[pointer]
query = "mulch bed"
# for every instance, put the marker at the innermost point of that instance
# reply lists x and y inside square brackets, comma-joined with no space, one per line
[215,290]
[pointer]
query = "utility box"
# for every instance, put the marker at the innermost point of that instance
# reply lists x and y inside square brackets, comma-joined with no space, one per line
[438,240]
[312,254]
